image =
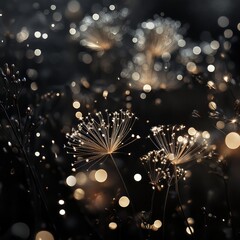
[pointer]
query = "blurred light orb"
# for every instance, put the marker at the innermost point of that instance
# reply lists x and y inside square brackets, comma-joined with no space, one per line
[61,202]
[73,6]
[62,212]
[112,225]
[79,194]
[101,175]
[157,224]
[124,201]
[81,178]
[71,181]
[211,68]
[192,131]
[189,230]
[20,230]
[147,88]
[232,140]
[223,21]
[137,177]
[44,235]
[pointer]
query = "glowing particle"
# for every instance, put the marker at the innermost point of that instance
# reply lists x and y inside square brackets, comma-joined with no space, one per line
[95,16]
[223,21]
[189,230]
[232,140]
[112,7]
[197,50]
[76,104]
[147,88]
[135,76]
[214,45]
[192,131]
[34,86]
[101,175]
[179,77]
[78,115]
[124,201]
[53,7]
[61,202]
[212,105]
[37,52]
[220,124]
[72,31]
[137,177]
[157,224]
[143,95]
[79,194]
[228,33]
[44,235]
[73,6]
[37,34]
[191,67]
[71,181]
[206,135]
[37,154]
[190,221]
[181,43]
[112,225]
[62,212]
[211,68]
[105,94]
[150,25]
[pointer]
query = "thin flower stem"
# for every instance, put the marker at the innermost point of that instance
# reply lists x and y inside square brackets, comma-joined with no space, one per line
[126,190]
[36,186]
[229,208]
[122,180]
[165,207]
[180,202]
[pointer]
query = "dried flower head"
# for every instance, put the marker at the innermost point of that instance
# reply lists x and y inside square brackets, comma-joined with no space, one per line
[158,37]
[102,31]
[178,145]
[142,72]
[101,135]
[159,168]
[10,85]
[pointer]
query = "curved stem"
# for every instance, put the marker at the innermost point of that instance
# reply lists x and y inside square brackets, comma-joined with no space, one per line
[179,199]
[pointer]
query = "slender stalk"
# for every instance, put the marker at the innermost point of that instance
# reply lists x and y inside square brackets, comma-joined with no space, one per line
[165,207]
[179,199]
[122,180]
[229,208]
[125,188]
[36,186]
[151,210]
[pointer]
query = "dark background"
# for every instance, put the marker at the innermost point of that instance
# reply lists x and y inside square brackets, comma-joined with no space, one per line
[58,66]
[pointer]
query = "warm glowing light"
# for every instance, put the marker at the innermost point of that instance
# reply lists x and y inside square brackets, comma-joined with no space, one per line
[112,225]
[44,235]
[189,230]
[157,224]
[124,201]
[76,104]
[79,194]
[232,140]
[101,175]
